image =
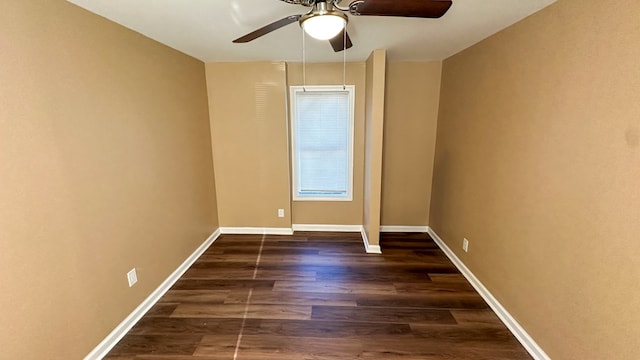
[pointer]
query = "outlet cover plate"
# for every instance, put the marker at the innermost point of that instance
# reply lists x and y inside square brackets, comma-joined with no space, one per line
[132,277]
[465,245]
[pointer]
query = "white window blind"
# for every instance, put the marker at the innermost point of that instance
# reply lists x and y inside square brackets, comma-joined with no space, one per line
[322,139]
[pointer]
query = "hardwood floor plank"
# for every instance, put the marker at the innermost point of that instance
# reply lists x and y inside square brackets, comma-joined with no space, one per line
[271,249]
[382,315]
[224,266]
[165,344]
[441,353]
[450,301]
[188,296]
[220,347]
[181,357]
[287,347]
[177,326]
[435,288]
[327,329]
[188,284]
[373,275]
[161,309]
[214,274]
[458,335]
[449,278]
[319,296]
[266,297]
[484,317]
[240,310]
[318,260]
[338,287]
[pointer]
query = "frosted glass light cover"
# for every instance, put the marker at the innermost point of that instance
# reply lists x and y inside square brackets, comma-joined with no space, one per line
[323,27]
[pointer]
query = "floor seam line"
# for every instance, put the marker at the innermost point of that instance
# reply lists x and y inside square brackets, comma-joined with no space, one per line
[246,308]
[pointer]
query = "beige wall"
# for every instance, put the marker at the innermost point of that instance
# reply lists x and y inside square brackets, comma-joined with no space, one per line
[538,165]
[247,103]
[411,116]
[374,128]
[335,212]
[105,165]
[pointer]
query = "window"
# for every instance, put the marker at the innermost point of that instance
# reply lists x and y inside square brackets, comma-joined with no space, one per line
[322,142]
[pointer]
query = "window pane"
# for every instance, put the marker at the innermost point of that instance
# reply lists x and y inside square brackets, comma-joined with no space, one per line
[323,141]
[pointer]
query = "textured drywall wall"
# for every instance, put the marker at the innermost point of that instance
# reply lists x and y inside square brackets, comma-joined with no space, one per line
[105,165]
[538,165]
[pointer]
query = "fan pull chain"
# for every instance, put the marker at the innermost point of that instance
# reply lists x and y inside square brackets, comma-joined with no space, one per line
[344,59]
[304,64]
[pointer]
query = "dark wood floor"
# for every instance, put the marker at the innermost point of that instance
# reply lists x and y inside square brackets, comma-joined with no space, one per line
[319,296]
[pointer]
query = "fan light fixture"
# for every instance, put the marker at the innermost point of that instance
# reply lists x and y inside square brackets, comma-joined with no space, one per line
[323,23]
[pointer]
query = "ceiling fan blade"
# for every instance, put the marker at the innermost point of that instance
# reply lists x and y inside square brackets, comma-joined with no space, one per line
[404,8]
[267,29]
[338,42]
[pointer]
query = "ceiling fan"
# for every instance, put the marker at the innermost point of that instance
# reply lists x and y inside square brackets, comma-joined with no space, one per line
[327,20]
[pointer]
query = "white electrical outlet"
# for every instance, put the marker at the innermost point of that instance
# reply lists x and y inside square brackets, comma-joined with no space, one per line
[465,245]
[132,277]
[281,213]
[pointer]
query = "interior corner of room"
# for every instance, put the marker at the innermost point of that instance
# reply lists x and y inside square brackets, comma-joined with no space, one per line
[120,153]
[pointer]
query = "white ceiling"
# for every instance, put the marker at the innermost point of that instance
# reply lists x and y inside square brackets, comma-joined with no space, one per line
[204,29]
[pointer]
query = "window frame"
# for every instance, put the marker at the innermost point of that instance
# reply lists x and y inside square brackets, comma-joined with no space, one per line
[293,91]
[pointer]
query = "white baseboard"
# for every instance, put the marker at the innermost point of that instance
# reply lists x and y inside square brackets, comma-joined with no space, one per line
[402,228]
[121,330]
[518,331]
[256,231]
[370,249]
[322,227]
